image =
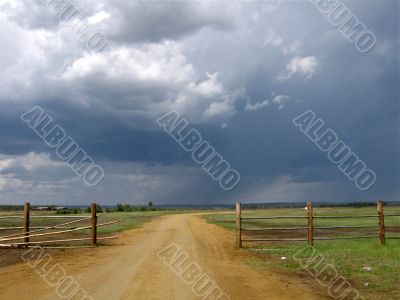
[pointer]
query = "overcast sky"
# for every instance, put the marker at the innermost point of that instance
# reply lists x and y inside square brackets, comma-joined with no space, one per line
[239,72]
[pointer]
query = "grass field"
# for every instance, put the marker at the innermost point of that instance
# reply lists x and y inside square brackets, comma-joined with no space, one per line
[348,256]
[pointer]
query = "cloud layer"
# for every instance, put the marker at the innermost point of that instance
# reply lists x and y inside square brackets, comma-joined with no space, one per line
[239,72]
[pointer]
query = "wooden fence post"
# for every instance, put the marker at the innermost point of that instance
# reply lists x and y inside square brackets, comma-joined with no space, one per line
[26,222]
[381,222]
[310,226]
[238,225]
[94,223]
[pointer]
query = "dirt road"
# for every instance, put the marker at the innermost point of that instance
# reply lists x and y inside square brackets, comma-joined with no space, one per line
[131,269]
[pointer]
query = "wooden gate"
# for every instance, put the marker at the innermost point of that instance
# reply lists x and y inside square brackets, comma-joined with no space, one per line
[266,234]
[32,236]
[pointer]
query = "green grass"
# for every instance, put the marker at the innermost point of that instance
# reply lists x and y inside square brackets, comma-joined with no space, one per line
[128,220]
[347,256]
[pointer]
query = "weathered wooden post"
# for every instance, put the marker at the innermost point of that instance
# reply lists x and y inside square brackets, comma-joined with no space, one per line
[26,222]
[310,226]
[381,222]
[94,223]
[238,225]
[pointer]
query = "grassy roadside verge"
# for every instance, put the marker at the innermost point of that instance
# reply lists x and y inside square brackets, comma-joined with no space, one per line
[349,257]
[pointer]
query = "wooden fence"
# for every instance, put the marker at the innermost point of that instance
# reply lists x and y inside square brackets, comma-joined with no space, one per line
[310,228]
[28,232]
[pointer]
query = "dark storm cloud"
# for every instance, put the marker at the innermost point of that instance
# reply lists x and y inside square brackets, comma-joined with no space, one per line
[209,66]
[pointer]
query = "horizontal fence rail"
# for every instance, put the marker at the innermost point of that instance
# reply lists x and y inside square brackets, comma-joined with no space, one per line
[274,228]
[58,217]
[46,228]
[275,217]
[31,227]
[349,227]
[347,237]
[54,233]
[65,240]
[310,228]
[28,232]
[274,240]
[345,217]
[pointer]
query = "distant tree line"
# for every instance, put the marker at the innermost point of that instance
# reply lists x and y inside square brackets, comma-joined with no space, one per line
[129,208]
[315,204]
[119,208]
[11,207]
[355,204]
[77,210]
[68,211]
[81,210]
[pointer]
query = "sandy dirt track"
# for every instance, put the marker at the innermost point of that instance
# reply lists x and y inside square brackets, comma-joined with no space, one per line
[131,269]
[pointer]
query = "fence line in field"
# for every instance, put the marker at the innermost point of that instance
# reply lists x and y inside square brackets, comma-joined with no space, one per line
[32,227]
[27,233]
[310,226]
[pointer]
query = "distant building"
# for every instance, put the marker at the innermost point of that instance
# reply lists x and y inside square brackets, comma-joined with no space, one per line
[60,208]
[40,208]
[48,208]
